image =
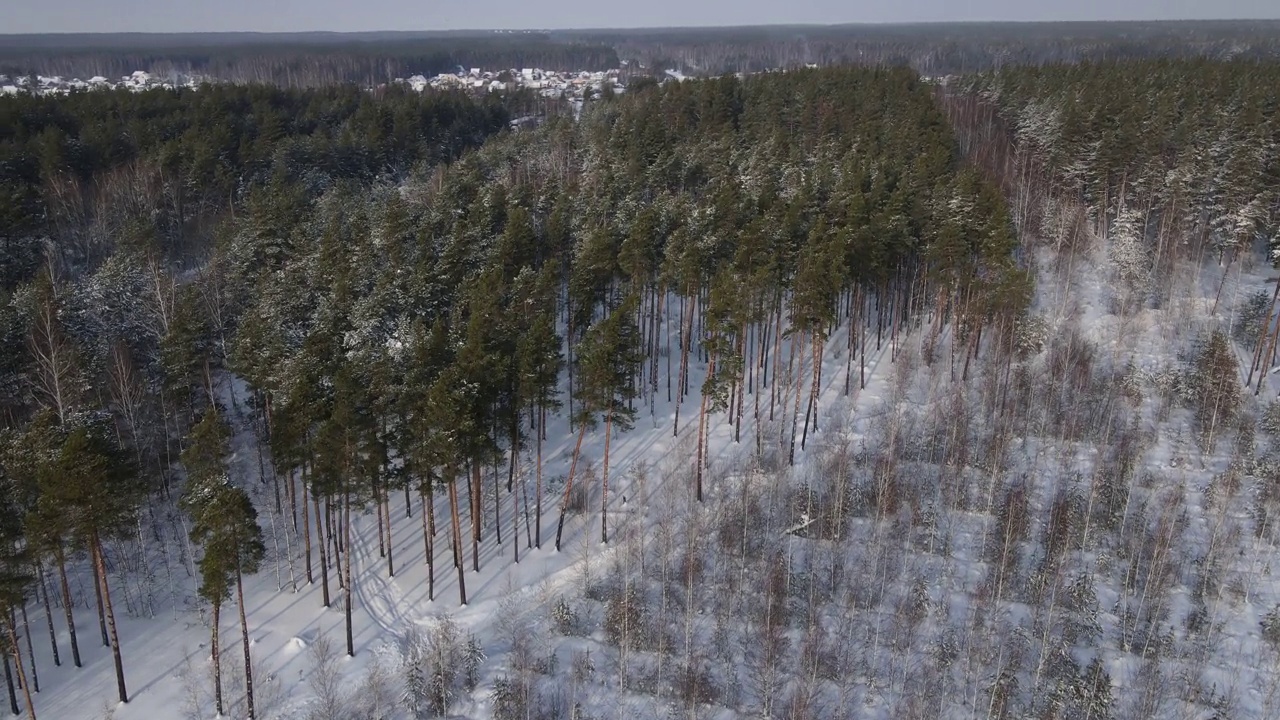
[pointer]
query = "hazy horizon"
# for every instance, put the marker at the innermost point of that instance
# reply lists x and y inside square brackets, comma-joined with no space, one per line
[163,16]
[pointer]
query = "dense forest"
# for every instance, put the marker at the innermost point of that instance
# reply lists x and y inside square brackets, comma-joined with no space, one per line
[943,385]
[423,312]
[84,175]
[940,49]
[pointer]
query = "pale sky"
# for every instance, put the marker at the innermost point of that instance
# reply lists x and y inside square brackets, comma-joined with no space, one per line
[40,16]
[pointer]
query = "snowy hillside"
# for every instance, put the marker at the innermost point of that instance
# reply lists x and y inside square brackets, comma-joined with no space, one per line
[909,589]
[819,394]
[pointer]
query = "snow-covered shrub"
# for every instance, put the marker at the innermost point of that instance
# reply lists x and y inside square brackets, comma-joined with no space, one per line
[1081,602]
[443,650]
[1070,360]
[564,617]
[624,619]
[583,667]
[376,699]
[524,700]
[1131,382]
[1013,520]
[472,657]
[1029,335]
[510,700]
[1271,627]
[918,602]
[436,663]
[1003,692]
[1270,420]
[326,680]
[1128,252]
[1212,387]
[1250,320]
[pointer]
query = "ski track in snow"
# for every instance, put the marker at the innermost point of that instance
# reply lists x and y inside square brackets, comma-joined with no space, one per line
[378,595]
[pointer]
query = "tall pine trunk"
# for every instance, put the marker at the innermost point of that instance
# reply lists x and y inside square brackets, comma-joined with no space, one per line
[306,526]
[515,516]
[743,354]
[537,513]
[794,375]
[335,548]
[457,536]
[702,429]
[96,548]
[474,491]
[244,639]
[386,510]
[22,676]
[97,594]
[515,448]
[568,485]
[346,567]
[426,542]
[48,614]
[61,560]
[377,507]
[216,655]
[604,498]
[497,504]
[813,392]
[686,331]
[324,560]
[1266,329]
[777,353]
[8,681]
[31,650]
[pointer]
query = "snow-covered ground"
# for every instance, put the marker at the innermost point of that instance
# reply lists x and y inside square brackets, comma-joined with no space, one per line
[764,600]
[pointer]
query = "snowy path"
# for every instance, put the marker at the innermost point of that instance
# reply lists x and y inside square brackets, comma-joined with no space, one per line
[378,595]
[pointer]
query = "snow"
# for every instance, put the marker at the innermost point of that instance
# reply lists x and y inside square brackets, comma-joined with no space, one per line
[932,557]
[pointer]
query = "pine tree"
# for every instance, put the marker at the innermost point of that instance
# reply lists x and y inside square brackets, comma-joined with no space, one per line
[93,487]
[204,459]
[345,449]
[539,360]
[21,458]
[430,355]
[448,429]
[225,524]
[608,357]
[15,579]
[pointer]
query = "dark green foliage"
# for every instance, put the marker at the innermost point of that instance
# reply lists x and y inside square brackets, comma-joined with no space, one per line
[1251,320]
[607,359]
[225,524]
[193,150]
[91,485]
[16,569]
[1192,140]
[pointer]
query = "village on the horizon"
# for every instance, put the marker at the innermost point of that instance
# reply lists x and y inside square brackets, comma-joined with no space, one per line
[554,84]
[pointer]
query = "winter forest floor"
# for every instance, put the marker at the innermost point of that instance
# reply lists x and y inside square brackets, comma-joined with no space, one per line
[920,559]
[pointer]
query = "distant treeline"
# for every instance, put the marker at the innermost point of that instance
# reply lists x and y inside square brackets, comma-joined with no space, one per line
[315,59]
[936,49]
[307,61]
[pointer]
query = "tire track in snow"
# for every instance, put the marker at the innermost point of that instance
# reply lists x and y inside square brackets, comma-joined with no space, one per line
[379,595]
